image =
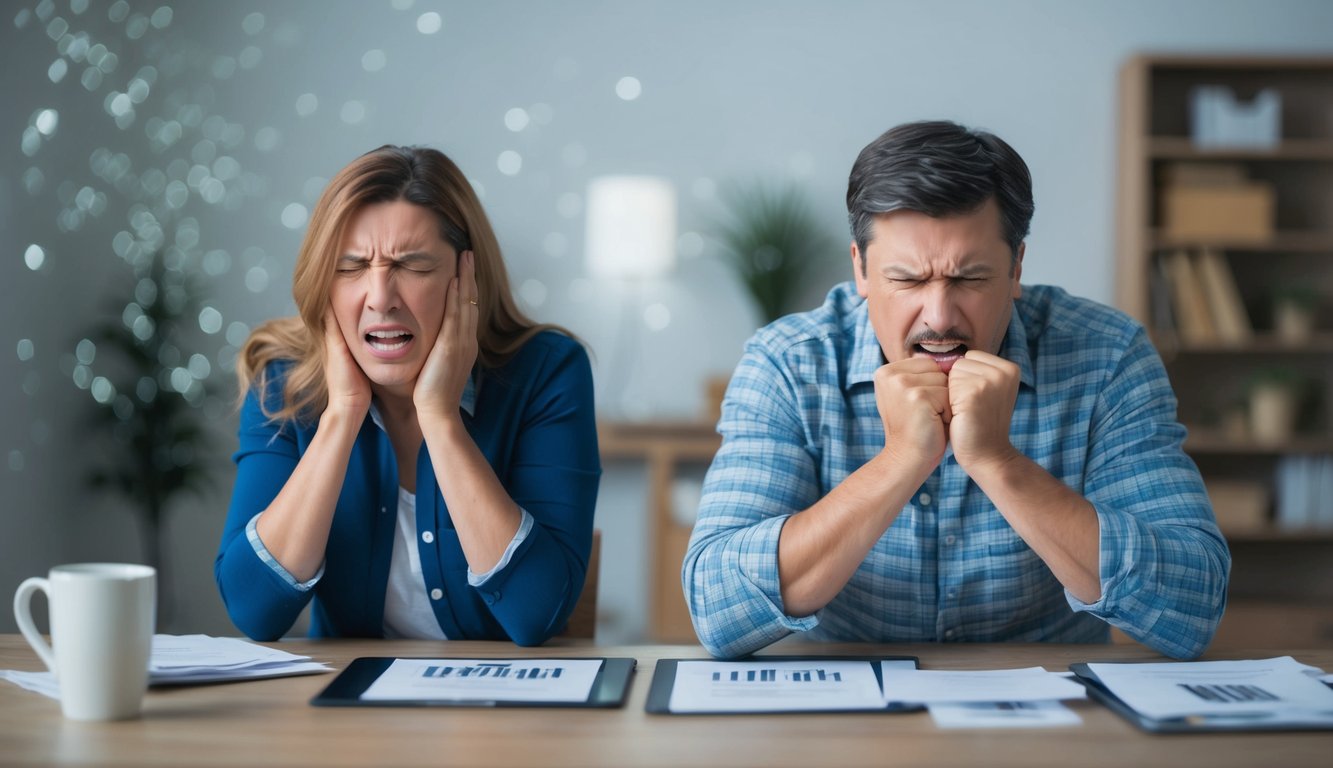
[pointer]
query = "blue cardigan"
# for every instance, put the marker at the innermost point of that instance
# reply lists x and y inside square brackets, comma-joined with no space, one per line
[532,419]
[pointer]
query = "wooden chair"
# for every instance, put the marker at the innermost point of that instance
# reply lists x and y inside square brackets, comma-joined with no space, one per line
[583,621]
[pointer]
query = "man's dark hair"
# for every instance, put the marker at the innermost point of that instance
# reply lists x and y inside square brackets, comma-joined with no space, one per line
[939,168]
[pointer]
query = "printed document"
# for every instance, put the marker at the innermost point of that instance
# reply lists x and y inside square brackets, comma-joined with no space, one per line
[483,680]
[1003,714]
[1279,688]
[929,686]
[775,686]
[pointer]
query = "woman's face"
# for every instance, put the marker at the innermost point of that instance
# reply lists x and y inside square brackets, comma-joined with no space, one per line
[393,272]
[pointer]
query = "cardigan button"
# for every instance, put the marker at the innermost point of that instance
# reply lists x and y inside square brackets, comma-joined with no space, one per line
[427,537]
[436,594]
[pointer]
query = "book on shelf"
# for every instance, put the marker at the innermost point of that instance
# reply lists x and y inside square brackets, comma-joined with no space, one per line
[1224,303]
[1305,493]
[1240,506]
[1194,322]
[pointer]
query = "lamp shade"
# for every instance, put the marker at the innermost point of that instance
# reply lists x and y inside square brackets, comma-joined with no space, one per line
[631,227]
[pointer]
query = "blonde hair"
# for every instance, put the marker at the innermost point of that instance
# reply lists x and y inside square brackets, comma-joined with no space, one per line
[418,175]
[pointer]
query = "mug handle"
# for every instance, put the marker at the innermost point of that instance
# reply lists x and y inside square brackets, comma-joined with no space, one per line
[23,615]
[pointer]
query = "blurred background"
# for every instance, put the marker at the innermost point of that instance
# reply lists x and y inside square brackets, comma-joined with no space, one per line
[159,161]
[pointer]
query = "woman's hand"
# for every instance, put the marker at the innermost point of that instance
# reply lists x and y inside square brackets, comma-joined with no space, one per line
[440,384]
[349,389]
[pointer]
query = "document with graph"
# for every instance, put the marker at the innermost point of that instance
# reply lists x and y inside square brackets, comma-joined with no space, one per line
[499,682]
[786,684]
[1260,694]
[561,680]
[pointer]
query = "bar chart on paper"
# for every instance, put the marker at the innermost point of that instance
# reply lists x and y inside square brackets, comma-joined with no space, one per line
[771,676]
[502,670]
[774,686]
[483,680]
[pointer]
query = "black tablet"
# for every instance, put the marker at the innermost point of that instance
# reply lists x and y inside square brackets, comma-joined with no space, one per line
[664,682]
[456,682]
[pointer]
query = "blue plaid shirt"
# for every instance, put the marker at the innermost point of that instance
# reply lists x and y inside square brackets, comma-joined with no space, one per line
[1094,408]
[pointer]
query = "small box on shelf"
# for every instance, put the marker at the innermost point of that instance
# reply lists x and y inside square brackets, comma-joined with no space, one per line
[1240,506]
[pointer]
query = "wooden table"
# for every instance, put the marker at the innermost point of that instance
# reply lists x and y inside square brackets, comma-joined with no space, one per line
[269,722]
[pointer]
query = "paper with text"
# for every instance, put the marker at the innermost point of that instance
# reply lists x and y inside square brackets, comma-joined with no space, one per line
[928,686]
[486,680]
[1265,688]
[774,686]
[1004,714]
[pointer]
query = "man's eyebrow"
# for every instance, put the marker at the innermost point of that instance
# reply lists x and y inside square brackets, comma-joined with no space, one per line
[974,270]
[899,270]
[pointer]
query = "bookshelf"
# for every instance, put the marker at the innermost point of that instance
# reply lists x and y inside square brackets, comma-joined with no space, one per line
[1279,570]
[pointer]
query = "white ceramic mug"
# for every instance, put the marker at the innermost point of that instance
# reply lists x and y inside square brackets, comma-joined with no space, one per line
[102,619]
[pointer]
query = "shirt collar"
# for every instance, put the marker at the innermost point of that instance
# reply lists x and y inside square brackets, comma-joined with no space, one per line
[1015,347]
[468,402]
[867,355]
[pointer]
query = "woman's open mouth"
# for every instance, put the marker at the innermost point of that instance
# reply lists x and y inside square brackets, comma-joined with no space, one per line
[388,343]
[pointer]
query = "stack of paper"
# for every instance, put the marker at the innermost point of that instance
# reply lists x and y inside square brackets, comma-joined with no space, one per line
[184,659]
[1279,690]
[999,698]
[203,659]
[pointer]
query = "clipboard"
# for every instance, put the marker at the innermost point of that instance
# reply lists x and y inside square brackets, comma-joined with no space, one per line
[609,687]
[664,680]
[1193,724]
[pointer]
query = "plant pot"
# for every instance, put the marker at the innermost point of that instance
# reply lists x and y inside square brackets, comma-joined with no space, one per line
[1272,413]
[1293,321]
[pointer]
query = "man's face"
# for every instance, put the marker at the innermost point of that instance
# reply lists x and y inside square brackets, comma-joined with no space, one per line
[937,287]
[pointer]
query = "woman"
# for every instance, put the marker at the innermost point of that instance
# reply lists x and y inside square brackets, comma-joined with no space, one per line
[415,455]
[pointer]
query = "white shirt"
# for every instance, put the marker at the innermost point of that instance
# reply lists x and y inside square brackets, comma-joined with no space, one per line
[407,610]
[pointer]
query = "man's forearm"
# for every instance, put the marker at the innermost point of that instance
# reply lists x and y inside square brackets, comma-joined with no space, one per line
[822,546]
[1060,525]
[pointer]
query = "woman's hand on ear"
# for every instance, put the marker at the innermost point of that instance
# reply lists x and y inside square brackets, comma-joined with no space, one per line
[349,389]
[439,389]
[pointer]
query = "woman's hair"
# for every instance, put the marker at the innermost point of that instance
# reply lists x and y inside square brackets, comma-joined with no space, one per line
[418,175]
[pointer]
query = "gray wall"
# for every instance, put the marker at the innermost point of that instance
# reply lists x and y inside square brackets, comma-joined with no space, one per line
[731,91]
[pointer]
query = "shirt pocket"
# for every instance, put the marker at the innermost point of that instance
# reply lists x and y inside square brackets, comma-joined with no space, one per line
[1017,581]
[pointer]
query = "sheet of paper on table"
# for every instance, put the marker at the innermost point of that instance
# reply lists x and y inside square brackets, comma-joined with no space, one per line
[929,686]
[188,659]
[1003,714]
[1277,688]
[772,686]
[479,680]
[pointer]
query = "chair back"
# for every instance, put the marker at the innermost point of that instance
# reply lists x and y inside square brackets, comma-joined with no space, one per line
[583,621]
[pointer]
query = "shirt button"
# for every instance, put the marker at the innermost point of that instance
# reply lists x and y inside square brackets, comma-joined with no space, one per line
[427,536]
[924,499]
[950,539]
[436,594]
[383,510]
[952,594]
[948,634]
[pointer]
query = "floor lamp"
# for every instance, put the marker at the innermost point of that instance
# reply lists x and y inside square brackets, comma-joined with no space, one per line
[631,240]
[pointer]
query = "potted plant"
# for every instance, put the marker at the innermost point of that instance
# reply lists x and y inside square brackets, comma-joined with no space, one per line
[1294,307]
[147,406]
[1273,396]
[771,237]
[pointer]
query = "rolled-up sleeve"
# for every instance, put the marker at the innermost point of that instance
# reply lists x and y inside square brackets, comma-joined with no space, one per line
[262,601]
[763,473]
[553,477]
[1164,564]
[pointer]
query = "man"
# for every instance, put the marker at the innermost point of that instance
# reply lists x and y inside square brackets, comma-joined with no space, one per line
[942,454]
